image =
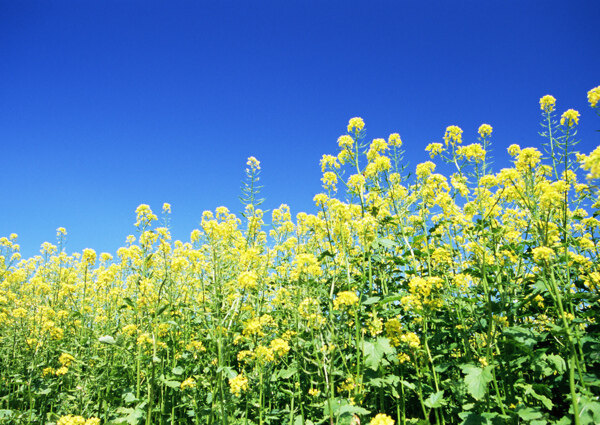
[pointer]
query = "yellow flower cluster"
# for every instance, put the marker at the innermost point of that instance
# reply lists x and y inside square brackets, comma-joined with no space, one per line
[382,419]
[569,118]
[473,152]
[453,135]
[345,299]
[238,384]
[485,130]
[77,420]
[189,383]
[547,103]
[434,149]
[355,124]
[591,163]
[543,254]
[594,96]
[394,140]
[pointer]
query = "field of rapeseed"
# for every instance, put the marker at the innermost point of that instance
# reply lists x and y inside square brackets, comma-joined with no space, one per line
[409,298]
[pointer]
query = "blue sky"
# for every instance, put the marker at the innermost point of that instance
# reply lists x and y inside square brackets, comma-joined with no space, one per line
[105,105]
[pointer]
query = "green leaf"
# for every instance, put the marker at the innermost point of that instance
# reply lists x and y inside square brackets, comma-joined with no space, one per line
[372,356]
[286,373]
[476,379]
[472,419]
[557,362]
[172,384]
[370,300]
[353,409]
[529,413]
[129,398]
[408,385]
[386,243]
[107,339]
[435,400]
[178,370]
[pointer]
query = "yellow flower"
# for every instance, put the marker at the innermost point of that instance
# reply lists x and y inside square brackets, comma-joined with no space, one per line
[591,163]
[425,169]
[329,180]
[329,161]
[570,117]
[320,199]
[61,371]
[594,96]
[66,359]
[411,339]
[313,392]
[542,254]
[434,149]
[382,419]
[92,421]
[248,280]
[188,383]
[280,347]
[514,149]
[238,384]
[166,208]
[253,164]
[356,182]
[394,140]
[547,103]
[355,124]
[528,158]
[61,231]
[345,142]
[453,134]
[71,420]
[472,152]
[345,298]
[485,130]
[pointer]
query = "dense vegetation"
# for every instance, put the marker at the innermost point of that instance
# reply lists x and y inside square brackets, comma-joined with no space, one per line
[409,298]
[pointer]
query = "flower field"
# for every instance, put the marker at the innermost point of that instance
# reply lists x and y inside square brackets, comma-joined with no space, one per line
[411,297]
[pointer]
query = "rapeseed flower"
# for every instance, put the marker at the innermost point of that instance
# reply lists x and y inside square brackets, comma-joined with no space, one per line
[543,254]
[485,130]
[594,96]
[189,383]
[382,419]
[453,134]
[569,118]
[434,149]
[355,124]
[394,140]
[547,103]
[345,299]
[238,384]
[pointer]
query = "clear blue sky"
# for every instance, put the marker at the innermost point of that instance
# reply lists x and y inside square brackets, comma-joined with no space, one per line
[105,105]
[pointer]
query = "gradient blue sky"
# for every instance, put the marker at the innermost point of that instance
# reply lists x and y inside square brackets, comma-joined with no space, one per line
[105,105]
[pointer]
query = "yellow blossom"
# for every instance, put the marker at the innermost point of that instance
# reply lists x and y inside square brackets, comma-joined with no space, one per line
[570,117]
[355,124]
[434,149]
[345,299]
[453,135]
[485,130]
[547,103]
[253,165]
[345,142]
[394,140]
[594,96]
[238,384]
[382,419]
[543,254]
[189,383]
